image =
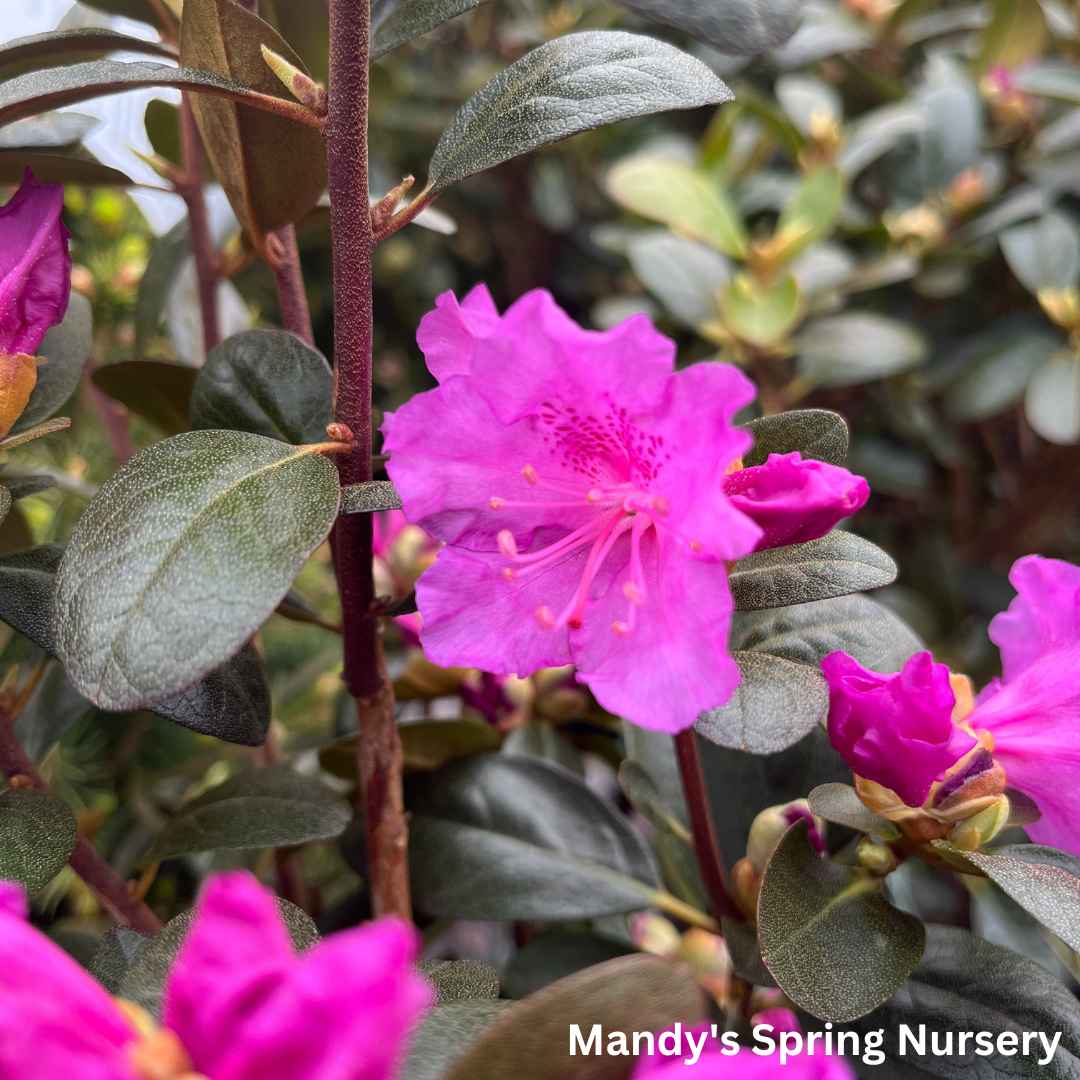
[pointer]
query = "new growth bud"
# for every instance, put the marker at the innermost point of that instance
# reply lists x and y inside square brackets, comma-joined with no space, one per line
[302,87]
[18,377]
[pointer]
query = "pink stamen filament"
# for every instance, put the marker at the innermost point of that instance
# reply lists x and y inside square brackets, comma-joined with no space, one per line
[616,525]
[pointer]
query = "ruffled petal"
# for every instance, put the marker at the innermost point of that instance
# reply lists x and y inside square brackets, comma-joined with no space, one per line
[447,335]
[474,617]
[674,664]
[1043,617]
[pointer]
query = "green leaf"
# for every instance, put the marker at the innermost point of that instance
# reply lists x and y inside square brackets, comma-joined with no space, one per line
[156,390]
[857,347]
[1042,880]
[65,348]
[819,435]
[37,835]
[555,955]
[53,708]
[836,564]
[964,983]
[368,497]
[502,837]
[50,131]
[460,980]
[839,803]
[70,46]
[813,208]
[735,27]
[807,633]
[775,704]
[57,168]
[1052,400]
[411,19]
[572,84]
[145,980]
[181,556]
[162,122]
[761,316]
[273,169]
[115,955]
[1044,253]
[1060,81]
[22,487]
[684,275]
[167,258]
[629,993]
[267,382]
[648,800]
[5,502]
[26,585]
[742,943]
[542,739]
[833,943]
[264,808]
[444,1033]
[692,204]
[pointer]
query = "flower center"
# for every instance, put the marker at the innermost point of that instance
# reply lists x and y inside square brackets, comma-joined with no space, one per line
[621,508]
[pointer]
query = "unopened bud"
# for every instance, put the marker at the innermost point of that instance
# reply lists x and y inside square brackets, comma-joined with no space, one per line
[340,433]
[746,880]
[878,858]
[18,377]
[1062,305]
[970,835]
[771,824]
[302,87]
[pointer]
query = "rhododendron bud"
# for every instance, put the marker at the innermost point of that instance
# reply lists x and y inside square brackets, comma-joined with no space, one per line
[793,500]
[18,377]
[896,730]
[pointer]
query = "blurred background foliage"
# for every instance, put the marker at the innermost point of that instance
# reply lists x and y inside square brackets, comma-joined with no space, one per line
[883,223]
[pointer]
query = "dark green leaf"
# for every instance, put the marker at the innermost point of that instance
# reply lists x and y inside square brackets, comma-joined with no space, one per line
[554,956]
[742,944]
[369,497]
[65,348]
[156,390]
[70,46]
[181,556]
[22,487]
[413,18]
[460,980]
[145,980]
[258,809]
[26,585]
[837,564]
[502,837]
[647,799]
[115,955]
[55,168]
[735,27]
[167,259]
[775,704]
[53,708]
[964,983]
[629,993]
[1050,80]
[1042,880]
[839,803]
[49,131]
[572,84]
[5,502]
[806,633]
[542,739]
[37,834]
[267,382]
[834,944]
[272,169]
[444,1033]
[857,347]
[817,434]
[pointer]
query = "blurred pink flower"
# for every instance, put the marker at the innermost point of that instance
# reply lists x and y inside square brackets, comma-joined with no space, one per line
[793,500]
[896,730]
[35,267]
[577,481]
[239,1004]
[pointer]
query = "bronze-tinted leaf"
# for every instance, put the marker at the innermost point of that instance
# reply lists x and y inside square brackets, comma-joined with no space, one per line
[68,46]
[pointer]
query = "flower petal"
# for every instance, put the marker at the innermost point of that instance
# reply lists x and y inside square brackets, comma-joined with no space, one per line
[447,335]
[674,664]
[1043,616]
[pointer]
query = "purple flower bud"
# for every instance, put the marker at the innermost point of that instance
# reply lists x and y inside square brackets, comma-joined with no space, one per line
[35,267]
[896,730]
[793,500]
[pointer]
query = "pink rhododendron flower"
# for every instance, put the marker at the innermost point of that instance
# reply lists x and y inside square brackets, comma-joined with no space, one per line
[896,730]
[578,481]
[239,1004]
[35,267]
[795,501]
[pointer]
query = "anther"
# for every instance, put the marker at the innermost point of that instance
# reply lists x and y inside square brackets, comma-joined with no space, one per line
[661,506]
[696,545]
[529,473]
[574,622]
[545,617]
[507,544]
[496,503]
[509,573]
[620,629]
[633,593]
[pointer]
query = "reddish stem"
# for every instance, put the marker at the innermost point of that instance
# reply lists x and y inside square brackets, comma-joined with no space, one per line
[289,278]
[106,884]
[202,242]
[379,748]
[706,846]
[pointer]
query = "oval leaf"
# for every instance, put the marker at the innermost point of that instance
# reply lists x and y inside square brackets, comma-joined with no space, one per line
[369,496]
[156,390]
[37,835]
[776,703]
[837,564]
[684,275]
[69,46]
[1043,254]
[54,168]
[167,259]
[460,980]
[264,808]
[48,131]
[817,434]
[572,84]
[506,837]
[1052,401]
[267,382]
[839,803]
[761,316]
[857,347]
[116,954]
[180,557]
[833,943]
[444,1033]
[411,19]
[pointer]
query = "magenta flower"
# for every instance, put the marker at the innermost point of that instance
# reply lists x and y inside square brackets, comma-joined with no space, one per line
[896,730]
[239,1004]
[795,501]
[577,481]
[35,267]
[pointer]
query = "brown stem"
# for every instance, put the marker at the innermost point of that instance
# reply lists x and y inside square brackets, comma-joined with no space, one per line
[706,846]
[106,884]
[289,278]
[379,748]
[202,242]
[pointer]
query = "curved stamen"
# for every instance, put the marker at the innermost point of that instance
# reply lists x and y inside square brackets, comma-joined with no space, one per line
[573,612]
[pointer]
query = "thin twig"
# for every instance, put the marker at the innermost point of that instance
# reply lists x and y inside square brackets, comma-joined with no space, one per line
[289,279]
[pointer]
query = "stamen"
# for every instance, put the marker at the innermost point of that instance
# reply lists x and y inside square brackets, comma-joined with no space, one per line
[661,506]
[633,593]
[620,629]
[496,503]
[530,474]
[545,617]
[613,529]
[507,544]
[696,545]
[509,573]
[575,539]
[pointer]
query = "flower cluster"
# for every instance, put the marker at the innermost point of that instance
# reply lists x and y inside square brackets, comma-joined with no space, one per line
[589,498]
